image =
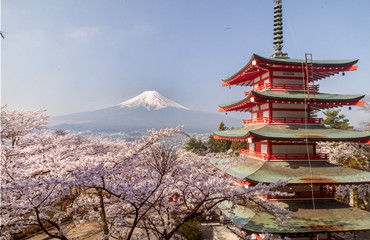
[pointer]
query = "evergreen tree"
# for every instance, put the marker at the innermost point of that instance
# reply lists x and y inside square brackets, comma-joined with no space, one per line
[212,143]
[222,145]
[236,145]
[222,127]
[196,145]
[335,120]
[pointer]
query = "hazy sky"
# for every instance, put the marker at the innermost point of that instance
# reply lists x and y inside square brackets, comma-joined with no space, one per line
[78,55]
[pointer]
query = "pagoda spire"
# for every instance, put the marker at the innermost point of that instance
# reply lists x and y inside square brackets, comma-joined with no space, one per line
[278,31]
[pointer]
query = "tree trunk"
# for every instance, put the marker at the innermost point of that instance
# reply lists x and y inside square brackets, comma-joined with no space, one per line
[103,215]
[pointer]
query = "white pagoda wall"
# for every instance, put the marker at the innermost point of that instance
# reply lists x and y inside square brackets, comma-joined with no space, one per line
[291,149]
[288,106]
[297,110]
[289,114]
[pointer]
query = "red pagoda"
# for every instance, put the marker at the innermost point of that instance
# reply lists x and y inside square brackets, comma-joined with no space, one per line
[282,138]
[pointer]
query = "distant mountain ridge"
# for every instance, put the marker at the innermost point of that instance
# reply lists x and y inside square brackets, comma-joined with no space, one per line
[145,111]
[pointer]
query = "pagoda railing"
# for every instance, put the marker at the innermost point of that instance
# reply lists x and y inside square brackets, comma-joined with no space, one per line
[303,195]
[293,156]
[282,120]
[281,86]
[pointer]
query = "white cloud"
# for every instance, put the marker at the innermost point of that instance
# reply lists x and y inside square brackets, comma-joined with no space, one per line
[82,34]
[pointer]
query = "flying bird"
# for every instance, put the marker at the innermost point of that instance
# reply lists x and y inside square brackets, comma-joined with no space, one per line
[227,29]
[2,35]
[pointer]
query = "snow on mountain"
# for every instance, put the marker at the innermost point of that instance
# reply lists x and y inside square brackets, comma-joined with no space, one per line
[150,100]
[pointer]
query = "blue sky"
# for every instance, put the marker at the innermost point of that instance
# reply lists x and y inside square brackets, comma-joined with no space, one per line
[78,55]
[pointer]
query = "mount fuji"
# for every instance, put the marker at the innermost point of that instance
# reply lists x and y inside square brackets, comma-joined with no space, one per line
[148,110]
[150,100]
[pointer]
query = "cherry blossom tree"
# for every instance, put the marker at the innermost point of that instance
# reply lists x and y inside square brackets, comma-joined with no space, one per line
[167,188]
[348,154]
[366,109]
[31,172]
[134,189]
[354,155]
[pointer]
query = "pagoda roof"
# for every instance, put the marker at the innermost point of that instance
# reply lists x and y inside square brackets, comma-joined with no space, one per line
[316,63]
[259,65]
[253,170]
[328,216]
[299,97]
[292,133]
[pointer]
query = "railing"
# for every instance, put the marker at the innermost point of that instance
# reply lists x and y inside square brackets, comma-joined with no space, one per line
[282,120]
[295,156]
[281,86]
[258,155]
[302,195]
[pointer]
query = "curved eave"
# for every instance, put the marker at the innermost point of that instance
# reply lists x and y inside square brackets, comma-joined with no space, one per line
[295,96]
[322,68]
[227,80]
[292,133]
[299,62]
[362,139]
[245,104]
[295,173]
[236,134]
[328,216]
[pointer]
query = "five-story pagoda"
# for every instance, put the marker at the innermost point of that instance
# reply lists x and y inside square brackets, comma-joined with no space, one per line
[282,139]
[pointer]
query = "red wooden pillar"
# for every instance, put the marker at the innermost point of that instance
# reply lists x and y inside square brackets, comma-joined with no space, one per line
[314,148]
[270,110]
[329,236]
[269,149]
[271,78]
[257,147]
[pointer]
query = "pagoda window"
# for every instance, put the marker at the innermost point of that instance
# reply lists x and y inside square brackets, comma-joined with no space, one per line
[251,147]
[257,79]
[265,75]
[254,115]
[255,108]
[266,114]
[264,106]
[264,148]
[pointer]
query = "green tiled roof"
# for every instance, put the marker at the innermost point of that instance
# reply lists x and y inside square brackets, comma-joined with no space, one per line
[230,104]
[316,63]
[298,96]
[293,172]
[293,132]
[288,61]
[328,216]
[313,97]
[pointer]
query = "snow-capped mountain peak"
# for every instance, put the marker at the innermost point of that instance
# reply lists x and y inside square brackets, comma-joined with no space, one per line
[151,100]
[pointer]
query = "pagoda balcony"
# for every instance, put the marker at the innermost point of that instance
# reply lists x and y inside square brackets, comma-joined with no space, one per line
[282,120]
[281,86]
[277,157]
[305,195]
